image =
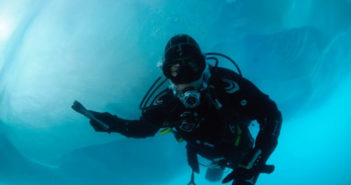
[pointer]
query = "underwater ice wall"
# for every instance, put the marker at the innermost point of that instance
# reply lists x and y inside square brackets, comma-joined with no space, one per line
[104,53]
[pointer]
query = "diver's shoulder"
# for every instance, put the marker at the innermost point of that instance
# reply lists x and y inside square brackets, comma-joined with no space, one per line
[221,75]
[220,72]
[161,103]
[230,82]
[163,98]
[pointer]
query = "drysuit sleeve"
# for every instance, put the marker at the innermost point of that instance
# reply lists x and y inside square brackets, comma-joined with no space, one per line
[265,111]
[146,126]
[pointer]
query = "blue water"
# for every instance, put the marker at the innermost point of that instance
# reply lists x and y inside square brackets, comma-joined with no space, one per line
[104,53]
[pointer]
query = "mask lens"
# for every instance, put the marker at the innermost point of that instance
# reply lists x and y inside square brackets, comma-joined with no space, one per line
[183,71]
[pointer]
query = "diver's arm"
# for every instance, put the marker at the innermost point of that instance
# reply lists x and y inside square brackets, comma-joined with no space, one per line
[259,107]
[130,128]
[265,111]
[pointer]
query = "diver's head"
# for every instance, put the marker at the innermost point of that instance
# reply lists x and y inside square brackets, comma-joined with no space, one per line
[184,65]
[183,61]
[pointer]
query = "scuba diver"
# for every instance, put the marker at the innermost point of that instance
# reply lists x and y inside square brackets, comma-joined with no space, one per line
[211,109]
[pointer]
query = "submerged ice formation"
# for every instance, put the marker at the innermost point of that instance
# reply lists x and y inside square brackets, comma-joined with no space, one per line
[104,53]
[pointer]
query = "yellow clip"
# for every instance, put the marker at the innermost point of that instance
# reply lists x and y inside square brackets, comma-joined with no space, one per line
[165,130]
[180,140]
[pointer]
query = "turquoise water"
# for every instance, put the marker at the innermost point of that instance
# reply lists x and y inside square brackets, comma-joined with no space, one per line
[104,53]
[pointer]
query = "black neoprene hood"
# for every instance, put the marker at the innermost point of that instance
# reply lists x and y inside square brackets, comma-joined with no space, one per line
[183,50]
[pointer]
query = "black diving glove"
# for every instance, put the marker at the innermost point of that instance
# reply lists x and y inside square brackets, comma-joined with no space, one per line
[101,122]
[248,171]
[114,123]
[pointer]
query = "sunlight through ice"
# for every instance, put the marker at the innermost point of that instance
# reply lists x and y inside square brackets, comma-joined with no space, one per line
[6,27]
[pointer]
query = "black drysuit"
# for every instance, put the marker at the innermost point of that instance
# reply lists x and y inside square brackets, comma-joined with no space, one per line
[217,128]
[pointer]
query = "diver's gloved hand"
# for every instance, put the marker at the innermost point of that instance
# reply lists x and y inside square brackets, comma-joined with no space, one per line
[115,124]
[248,171]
